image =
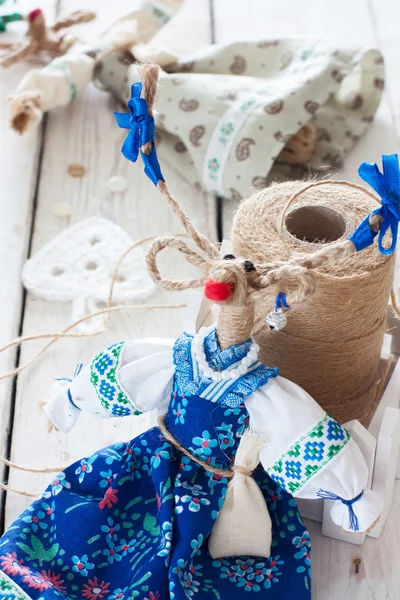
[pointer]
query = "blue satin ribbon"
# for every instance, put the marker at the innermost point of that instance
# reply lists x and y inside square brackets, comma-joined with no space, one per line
[280,301]
[141,131]
[387,186]
[349,503]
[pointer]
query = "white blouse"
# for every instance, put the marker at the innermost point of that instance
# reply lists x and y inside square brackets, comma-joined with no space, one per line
[306,451]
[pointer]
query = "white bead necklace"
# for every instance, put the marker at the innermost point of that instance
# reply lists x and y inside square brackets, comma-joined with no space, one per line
[227,374]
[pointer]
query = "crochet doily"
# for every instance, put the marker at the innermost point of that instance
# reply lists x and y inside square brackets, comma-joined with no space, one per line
[77,266]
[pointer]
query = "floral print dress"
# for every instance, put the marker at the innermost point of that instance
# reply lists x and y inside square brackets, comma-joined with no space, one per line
[133,520]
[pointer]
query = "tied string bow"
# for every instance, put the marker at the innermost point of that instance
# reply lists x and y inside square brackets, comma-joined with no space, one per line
[387,216]
[353,520]
[140,137]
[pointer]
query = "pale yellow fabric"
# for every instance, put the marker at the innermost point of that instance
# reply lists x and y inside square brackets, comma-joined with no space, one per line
[243,527]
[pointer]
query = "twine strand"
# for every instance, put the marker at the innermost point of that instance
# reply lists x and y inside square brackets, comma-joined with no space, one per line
[7,488]
[14,465]
[228,473]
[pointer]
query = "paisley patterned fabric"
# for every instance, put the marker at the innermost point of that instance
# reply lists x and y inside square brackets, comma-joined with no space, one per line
[133,520]
[227,111]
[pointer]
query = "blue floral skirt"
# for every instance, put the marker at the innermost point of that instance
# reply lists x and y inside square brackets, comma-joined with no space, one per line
[132,521]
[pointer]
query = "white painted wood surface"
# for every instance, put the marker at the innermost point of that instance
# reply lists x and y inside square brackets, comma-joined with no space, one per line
[387,454]
[85,133]
[18,174]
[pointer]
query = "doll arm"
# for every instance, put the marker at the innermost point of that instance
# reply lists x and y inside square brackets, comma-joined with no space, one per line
[310,455]
[42,90]
[125,379]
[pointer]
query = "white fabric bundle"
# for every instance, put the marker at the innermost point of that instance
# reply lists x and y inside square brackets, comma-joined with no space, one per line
[243,526]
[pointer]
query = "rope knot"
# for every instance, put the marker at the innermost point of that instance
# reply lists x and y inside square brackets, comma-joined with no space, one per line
[353,520]
[242,470]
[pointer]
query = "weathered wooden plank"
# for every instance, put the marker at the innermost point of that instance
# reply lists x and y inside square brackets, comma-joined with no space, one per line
[334,574]
[85,133]
[18,166]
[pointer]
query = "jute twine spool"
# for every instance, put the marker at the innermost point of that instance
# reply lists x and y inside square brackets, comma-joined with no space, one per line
[331,345]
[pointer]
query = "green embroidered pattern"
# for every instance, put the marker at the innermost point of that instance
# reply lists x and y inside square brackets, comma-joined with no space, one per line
[103,376]
[309,454]
[9,590]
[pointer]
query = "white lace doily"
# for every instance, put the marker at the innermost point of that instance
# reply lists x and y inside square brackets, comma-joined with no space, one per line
[77,266]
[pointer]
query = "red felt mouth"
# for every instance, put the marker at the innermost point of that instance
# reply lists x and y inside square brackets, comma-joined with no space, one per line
[34,13]
[217,291]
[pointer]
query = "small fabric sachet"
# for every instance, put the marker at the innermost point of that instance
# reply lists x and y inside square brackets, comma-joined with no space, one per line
[243,526]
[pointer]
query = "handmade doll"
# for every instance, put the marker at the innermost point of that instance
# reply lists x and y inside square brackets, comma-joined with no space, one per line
[39,38]
[231,116]
[185,510]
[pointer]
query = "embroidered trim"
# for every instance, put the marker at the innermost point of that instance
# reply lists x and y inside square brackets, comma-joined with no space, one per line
[308,455]
[104,378]
[11,590]
[188,376]
[221,142]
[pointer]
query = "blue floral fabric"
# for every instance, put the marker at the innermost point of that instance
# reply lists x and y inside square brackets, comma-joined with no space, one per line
[133,521]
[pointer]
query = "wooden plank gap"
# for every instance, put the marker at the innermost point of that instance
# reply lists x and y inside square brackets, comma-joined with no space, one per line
[219,202]
[17,357]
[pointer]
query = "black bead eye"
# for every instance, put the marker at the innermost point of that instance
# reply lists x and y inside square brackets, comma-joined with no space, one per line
[228,257]
[248,266]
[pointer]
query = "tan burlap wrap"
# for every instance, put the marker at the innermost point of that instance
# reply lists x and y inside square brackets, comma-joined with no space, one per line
[332,343]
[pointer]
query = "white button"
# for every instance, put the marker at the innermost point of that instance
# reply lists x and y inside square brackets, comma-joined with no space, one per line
[117,184]
[62,209]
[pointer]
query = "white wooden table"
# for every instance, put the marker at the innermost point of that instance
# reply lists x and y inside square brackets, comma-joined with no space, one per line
[34,176]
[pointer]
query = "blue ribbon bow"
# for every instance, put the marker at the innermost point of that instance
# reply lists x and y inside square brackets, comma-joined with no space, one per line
[387,186]
[354,526]
[141,131]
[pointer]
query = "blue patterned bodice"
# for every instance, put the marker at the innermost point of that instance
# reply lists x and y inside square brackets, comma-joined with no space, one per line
[207,417]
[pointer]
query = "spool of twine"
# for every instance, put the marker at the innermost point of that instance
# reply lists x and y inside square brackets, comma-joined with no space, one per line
[331,345]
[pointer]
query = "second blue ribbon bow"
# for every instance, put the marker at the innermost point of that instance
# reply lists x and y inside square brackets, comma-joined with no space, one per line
[387,186]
